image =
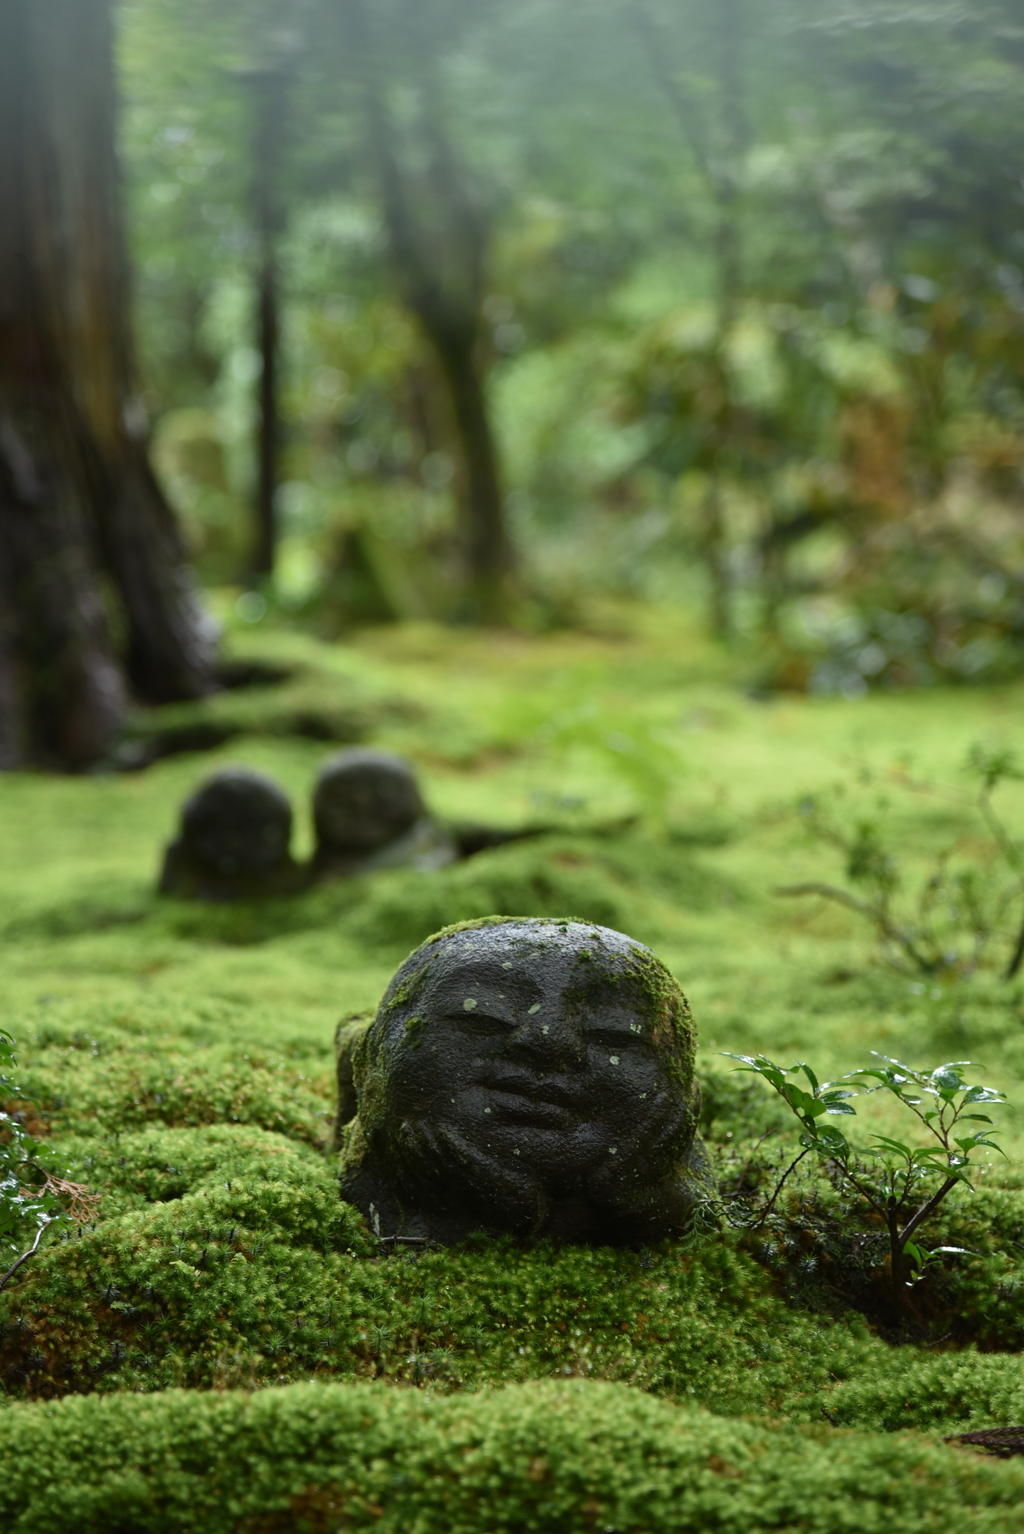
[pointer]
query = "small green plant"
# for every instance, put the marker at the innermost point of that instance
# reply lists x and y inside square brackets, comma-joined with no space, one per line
[32,1198]
[898,1184]
[947,919]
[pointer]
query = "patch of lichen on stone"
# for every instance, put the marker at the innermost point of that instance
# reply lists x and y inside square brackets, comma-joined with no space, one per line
[368,1073]
[655,992]
[477,923]
[670,1010]
[406,990]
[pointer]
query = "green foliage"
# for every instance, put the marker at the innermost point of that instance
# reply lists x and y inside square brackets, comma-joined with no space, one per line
[729,319]
[28,1203]
[957,914]
[902,1171]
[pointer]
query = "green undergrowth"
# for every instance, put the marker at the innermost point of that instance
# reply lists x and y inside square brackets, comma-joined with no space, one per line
[101,1084]
[559,1458]
[177,1060]
[304,701]
[221,1256]
[625,880]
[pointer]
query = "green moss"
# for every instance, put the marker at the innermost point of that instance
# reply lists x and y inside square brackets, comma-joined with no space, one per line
[100,1087]
[254,1274]
[406,991]
[565,1458]
[155,1165]
[183,1057]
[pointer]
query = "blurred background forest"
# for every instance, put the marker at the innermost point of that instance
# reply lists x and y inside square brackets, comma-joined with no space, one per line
[717,305]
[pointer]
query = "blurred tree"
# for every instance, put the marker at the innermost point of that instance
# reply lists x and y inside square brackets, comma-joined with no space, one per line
[269,77]
[739,296]
[94,591]
[438,227]
[715,125]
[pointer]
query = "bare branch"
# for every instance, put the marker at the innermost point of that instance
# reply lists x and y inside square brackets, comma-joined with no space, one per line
[24,1256]
[771,1202]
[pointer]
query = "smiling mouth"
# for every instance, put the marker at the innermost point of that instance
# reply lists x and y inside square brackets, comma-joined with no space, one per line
[546,1102]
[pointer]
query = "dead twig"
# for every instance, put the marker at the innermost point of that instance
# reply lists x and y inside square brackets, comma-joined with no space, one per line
[81,1203]
[1004,1442]
[24,1256]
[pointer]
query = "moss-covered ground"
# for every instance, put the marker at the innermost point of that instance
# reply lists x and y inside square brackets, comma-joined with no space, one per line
[295,1375]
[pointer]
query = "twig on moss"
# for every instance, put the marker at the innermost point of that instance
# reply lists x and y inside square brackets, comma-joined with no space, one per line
[24,1256]
[778,1188]
[82,1204]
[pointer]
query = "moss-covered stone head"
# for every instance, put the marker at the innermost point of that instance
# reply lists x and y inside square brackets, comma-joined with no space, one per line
[524,1075]
[364,799]
[234,840]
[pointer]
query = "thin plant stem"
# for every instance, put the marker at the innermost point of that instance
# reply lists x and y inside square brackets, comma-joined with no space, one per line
[24,1257]
[778,1189]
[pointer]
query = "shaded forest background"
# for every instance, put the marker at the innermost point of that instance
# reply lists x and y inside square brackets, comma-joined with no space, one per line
[449,310]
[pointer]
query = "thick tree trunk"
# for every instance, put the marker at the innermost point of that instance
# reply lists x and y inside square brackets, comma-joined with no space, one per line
[83,524]
[269,430]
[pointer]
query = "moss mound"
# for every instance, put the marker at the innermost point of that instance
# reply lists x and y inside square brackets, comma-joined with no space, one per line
[626,881]
[179,1061]
[102,1084]
[558,1457]
[220,1256]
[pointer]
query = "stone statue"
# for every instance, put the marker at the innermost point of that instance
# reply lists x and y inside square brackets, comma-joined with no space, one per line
[234,841]
[527,1076]
[368,813]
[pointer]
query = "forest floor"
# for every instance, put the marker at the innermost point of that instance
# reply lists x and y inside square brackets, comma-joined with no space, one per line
[672,801]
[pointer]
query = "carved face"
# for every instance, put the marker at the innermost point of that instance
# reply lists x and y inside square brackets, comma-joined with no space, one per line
[535,1074]
[364,799]
[238,823]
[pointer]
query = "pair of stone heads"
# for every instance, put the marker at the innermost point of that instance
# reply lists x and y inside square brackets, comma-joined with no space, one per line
[234,841]
[527,1076]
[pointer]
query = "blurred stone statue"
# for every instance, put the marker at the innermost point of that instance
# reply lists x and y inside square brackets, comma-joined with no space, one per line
[525,1076]
[234,841]
[368,813]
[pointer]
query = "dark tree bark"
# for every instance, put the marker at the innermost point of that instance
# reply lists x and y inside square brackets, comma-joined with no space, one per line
[270,99]
[437,236]
[85,533]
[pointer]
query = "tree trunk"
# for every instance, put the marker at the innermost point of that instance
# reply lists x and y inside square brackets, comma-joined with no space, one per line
[270,100]
[437,238]
[83,523]
[268,432]
[718,139]
[488,552]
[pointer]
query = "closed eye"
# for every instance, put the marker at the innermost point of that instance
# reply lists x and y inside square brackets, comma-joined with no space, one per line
[611,1038]
[480,1024]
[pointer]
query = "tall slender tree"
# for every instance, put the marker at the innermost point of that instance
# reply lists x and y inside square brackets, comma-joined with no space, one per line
[438,230]
[95,593]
